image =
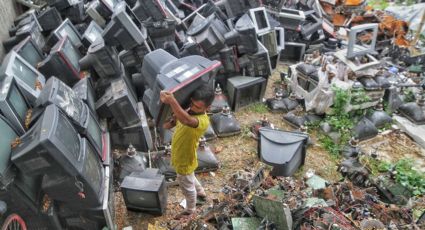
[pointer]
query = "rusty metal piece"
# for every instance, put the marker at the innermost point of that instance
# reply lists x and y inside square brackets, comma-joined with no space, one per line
[38,85]
[28,117]
[16,142]
[338,19]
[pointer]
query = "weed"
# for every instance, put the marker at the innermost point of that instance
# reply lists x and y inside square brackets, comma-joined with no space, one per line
[257,108]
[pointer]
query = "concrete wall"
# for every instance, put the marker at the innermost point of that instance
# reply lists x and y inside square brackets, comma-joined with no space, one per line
[8,9]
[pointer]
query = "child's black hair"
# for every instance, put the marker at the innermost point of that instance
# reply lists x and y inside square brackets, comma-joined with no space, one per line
[204,93]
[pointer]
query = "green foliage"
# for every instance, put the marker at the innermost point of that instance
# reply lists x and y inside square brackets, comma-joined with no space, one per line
[333,148]
[257,108]
[409,96]
[378,4]
[359,97]
[407,176]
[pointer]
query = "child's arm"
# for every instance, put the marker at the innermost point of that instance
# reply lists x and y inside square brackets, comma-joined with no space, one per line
[170,123]
[179,112]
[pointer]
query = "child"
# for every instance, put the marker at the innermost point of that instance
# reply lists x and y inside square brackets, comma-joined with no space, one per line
[190,126]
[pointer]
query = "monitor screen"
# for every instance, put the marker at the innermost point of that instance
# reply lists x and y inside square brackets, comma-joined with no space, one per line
[71,53]
[17,101]
[23,72]
[28,50]
[93,32]
[67,29]
[8,135]
[65,133]
[93,171]
[94,132]
[142,199]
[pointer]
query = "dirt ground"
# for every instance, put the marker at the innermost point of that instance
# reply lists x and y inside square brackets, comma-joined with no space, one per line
[240,153]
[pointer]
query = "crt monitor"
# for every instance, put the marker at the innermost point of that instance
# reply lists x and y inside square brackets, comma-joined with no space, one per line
[7,172]
[149,10]
[92,33]
[85,91]
[181,77]
[30,51]
[93,132]
[124,29]
[88,179]
[29,80]
[260,19]
[67,29]
[58,93]
[13,104]
[145,191]
[244,91]
[52,145]
[62,62]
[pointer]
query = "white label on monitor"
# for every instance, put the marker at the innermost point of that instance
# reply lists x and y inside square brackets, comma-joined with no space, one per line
[177,70]
[188,74]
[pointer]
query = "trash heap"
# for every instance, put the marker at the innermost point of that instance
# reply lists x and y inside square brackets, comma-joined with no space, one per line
[81,80]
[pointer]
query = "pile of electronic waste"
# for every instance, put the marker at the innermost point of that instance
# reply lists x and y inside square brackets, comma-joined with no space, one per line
[83,77]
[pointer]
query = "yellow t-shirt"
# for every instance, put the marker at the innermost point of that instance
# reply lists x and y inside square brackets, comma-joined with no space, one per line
[184,144]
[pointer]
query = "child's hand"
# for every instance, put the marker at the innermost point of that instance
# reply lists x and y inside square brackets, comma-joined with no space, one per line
[166,97]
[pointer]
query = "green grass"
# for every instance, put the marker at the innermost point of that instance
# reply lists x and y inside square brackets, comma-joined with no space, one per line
[257,108]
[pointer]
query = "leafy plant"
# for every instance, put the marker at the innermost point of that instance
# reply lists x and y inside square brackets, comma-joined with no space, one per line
[407,176]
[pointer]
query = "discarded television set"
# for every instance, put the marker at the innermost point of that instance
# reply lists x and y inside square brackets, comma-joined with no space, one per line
[60,152]
[293,51]
[49,19]
[102,58]
[179,76]
[29,80]
[85,91]
[66,29]
[13,104]
[260,19]
[7,171]
[149,10]
[244,91]
[89,179]
[145,191]
[285,151]
[225,123]
[62,62]
[243,35]
[123,105]
[124,29]
[138,134]
[29,51]
[92,33]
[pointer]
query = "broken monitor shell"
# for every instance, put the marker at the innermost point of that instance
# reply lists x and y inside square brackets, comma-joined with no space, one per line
[260,19]
[293,51]
[69,30]
[30,51]
[92,33]
[288,18]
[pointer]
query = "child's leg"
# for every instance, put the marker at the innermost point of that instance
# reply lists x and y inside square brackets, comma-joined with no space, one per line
[187,185]
[199,189]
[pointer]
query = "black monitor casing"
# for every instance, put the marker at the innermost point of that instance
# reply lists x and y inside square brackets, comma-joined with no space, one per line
[61,32]
[85,91]
[49,19]
[240,91]
[59,64]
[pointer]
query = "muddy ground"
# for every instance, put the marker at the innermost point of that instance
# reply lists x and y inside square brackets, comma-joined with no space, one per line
[240,153]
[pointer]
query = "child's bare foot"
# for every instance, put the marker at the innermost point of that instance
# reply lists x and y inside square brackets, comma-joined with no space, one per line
[185,214]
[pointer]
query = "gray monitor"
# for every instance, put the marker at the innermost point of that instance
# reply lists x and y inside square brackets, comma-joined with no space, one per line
[29,80]
[30,51]
[13,104]
[68,29]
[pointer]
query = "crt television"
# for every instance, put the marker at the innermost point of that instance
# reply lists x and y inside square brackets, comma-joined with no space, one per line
[85,91]
[124,29]
[145,191]
[7,171]
[260,19]
[52,145]
[13,104]
[244,91]
[179,76]
[62,62]
[29,80]
[89,179]
[30,51]
[67,29]
[92,33]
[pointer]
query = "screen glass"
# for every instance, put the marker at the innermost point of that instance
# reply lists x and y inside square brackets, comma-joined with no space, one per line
[72,54]
[249,94]
[7,136]
[30,54]
[93,170]
[24,73]
[142,199]
[17,101]
[72,35]
[67,135]
[94,131]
